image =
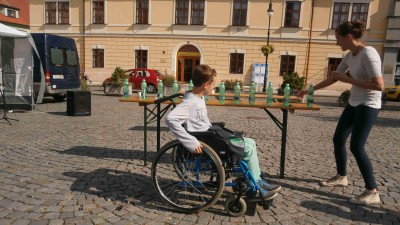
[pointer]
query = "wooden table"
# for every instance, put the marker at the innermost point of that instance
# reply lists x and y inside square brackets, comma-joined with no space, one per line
[157,113]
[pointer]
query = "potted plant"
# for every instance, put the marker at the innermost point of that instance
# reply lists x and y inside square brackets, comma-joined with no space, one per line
[168,80]
[267,49]
[114,84]
[230,85]
[295,82]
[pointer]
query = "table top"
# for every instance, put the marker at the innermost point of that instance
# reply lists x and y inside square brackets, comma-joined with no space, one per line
[243,103]
[261,95]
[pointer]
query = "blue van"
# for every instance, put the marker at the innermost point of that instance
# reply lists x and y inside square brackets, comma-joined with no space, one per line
[60,62]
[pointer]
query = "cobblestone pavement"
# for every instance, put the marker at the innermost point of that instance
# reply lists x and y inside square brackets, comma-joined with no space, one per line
[57,169]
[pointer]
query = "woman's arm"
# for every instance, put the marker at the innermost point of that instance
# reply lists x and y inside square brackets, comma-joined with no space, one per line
[375,83]
[325,83]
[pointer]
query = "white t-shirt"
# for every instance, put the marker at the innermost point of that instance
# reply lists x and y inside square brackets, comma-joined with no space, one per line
[192,112]
[364,66]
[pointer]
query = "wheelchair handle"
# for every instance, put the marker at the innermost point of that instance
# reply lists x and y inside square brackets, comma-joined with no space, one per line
[168,98]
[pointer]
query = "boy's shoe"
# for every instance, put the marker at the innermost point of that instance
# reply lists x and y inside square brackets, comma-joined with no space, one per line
[255,196]
[269,187]
[366,198]
[337,180]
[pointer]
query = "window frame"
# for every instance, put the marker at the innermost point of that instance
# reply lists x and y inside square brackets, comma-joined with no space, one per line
[141,58]
[98,58]
[182,12]
[63,13]
[234,63]
[287,11]
[350,14]
[287,63]
[14,13]
[197,13]
[363,13]
[60,16]
[96,9]
[334,65]
[239,12]
[142,11]
[50,13]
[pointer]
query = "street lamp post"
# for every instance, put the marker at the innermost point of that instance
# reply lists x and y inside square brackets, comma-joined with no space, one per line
[270,13]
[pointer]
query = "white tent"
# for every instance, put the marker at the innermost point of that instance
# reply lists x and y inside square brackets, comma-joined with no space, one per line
[16,66]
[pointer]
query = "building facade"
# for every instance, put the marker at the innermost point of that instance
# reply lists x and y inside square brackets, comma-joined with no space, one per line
[173,36]
[15,13]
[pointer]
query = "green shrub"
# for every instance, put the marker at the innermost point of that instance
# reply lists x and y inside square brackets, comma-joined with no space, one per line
[168,80]
[230,84]
[294,80]
[117,77]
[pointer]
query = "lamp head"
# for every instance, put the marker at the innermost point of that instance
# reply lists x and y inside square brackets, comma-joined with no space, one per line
[270,11]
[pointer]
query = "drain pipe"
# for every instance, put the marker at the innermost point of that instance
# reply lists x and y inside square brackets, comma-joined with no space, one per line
[83,40]
[309,40]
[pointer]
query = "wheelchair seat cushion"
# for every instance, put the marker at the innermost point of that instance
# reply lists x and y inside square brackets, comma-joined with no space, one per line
[228,144]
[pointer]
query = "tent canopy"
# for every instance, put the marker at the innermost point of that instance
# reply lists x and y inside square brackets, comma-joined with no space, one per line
[6,31]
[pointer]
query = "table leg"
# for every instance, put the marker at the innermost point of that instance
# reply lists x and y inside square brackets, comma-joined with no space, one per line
[145,134]
[158,126]
[283,142]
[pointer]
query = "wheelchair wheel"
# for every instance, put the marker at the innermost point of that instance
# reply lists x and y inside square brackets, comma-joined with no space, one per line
[188,182]
[234,208]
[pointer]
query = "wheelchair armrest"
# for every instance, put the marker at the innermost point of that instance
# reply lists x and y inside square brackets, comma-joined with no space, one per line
[221,124]
[167,98]
[203,133]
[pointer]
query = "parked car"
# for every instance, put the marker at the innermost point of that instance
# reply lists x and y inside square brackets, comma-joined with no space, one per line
[137,75]
[392,92]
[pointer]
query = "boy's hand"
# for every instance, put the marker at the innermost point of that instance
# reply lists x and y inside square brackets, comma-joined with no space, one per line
[198,150]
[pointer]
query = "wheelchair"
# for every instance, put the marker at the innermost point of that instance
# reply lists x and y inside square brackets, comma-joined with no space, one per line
[190,183]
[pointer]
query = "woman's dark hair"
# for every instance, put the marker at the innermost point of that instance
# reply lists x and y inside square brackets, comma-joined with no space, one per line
[355,28]
[202,74]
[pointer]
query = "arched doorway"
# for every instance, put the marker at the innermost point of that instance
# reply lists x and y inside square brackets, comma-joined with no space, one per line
[188,57]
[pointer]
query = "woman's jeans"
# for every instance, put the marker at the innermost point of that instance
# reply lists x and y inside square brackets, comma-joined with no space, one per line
[358,122]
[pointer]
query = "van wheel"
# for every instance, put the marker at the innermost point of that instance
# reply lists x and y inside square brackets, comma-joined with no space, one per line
[59,97]
[151,88]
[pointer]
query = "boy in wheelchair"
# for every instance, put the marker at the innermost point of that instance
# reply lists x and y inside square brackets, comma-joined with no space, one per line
[192,112]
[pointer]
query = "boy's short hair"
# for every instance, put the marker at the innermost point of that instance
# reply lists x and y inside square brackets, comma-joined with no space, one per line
[202,74]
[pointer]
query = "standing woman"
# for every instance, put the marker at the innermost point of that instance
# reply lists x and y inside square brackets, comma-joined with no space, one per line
[358,117]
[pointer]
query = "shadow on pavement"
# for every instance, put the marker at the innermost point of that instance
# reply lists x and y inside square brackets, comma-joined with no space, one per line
[339,205]
[141,128]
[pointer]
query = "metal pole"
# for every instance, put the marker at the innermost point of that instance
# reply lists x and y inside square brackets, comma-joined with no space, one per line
[266,56]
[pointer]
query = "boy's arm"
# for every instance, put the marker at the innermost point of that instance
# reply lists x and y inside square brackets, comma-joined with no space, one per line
[174,121]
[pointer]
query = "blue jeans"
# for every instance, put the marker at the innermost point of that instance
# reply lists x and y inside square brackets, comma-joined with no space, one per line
[358,122]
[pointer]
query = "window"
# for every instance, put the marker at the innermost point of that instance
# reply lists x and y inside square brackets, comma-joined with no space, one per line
[141,58]
[181,12]
[360,11]
[288,63]
[239,13]
[72,57]
[12,13]
[63,12]
[98,58]
[57,12]
[340,14]
[236,63]
[142,11]
[56,56]
[98,12]
[197,15]
[292,15]
[333,63]
[51,12]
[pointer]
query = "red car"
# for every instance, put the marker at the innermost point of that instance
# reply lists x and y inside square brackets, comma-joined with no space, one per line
[137,75]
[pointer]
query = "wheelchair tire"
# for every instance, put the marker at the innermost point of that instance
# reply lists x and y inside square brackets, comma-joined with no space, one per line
[235,209]
[188,182]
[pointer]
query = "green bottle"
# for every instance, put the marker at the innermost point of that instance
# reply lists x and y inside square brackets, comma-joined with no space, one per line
[175,88]
[286,95]
[190,87]
[236,98]
[252,93]
[144,89]
[126,88]
[310,96]
[160,91]
[222,93]
[270,92]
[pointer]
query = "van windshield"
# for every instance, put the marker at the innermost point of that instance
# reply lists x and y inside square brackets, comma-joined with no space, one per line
[71,57]
[57,56]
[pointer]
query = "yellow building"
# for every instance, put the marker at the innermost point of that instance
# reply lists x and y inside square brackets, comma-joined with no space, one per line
[175,35]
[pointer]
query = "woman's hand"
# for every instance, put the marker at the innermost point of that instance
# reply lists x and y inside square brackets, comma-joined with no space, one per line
[198,150]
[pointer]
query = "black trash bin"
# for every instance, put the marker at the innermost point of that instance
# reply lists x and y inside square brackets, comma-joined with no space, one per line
[79,103]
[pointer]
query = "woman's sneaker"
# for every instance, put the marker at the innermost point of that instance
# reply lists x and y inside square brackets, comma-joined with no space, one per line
[366,198]
[269,187]
[255,196]
[337,180]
